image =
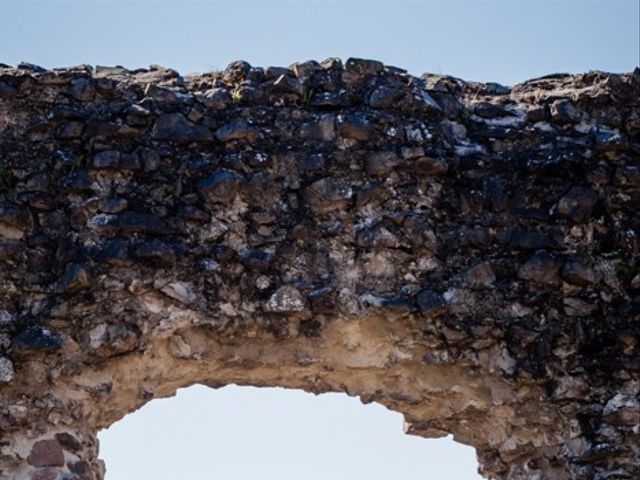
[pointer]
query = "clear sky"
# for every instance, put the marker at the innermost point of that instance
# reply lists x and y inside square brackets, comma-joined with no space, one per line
[506,41]
[245,433]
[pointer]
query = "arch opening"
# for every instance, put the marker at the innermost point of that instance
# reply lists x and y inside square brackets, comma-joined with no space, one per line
[273,433]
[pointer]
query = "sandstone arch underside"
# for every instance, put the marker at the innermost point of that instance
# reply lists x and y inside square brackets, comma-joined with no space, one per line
[463,253]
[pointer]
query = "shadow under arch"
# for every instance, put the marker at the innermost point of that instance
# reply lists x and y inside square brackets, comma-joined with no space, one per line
[272,433]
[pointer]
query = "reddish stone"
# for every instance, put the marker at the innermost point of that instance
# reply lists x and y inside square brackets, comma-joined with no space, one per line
[46,453]
[45,474]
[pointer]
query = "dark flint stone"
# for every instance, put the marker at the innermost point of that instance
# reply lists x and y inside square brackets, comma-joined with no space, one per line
[236,71]
[6,91]
[363,67]
[600,453]
[223,253]
[328,194]
[193,214]
[323,301]
[531,240]
[538,113]
[541,267]
[157,252]
[494,195]
[431,166]
[424,102]
[70,130]
[274,72]
[430,303]
[112,205]
[135,222]
[381,163]
[579,274]
[538,214]
[14,221]
[216,98]
[115,253]
[36,338]
[68,442]
[237,130]
[311,163]
[66,112]
[287,84]
[82,89]
[564,111]
[371,193]
[385,97]
[104,160]
[10,250]
[355,127]
[627,175]
[467,236]
[81,468]
[577,204]
[31,67]
[147,158]
[162,94]
[492,88]
[220,186]
[305,70]
[491,110]
[77,181]
[329,99]
[76,277]
[258,261]
[175,127]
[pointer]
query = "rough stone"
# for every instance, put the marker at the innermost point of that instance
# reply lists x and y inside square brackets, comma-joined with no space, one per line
[220,186]
[577,204]
[381,163]
[478,273]
[175,127]
[354,127]
[286,299]
[237,130]
[327,195]
[541,267]
[7,373]
[46,453]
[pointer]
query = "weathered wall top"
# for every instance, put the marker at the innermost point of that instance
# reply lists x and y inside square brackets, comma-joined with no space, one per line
[464,253]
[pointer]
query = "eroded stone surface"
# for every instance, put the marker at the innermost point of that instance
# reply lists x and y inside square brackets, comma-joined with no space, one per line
[463,253]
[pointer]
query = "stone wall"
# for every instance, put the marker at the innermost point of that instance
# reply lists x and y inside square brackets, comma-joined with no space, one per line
[464,253]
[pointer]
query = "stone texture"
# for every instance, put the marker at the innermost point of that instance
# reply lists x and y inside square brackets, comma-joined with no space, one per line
[46,453]
[463,253]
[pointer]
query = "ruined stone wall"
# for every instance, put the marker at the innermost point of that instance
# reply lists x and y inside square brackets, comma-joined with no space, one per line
[464,253]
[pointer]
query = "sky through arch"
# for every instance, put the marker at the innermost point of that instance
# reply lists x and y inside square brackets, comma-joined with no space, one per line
[248,433]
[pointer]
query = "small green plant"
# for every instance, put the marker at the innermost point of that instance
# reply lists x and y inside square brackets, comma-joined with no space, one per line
[236,95]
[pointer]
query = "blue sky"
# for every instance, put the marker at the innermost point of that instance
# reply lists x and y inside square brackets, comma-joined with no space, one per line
[247,433]
[506,41]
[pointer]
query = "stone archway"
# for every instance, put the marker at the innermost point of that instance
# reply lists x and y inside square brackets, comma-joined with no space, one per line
[465,254]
